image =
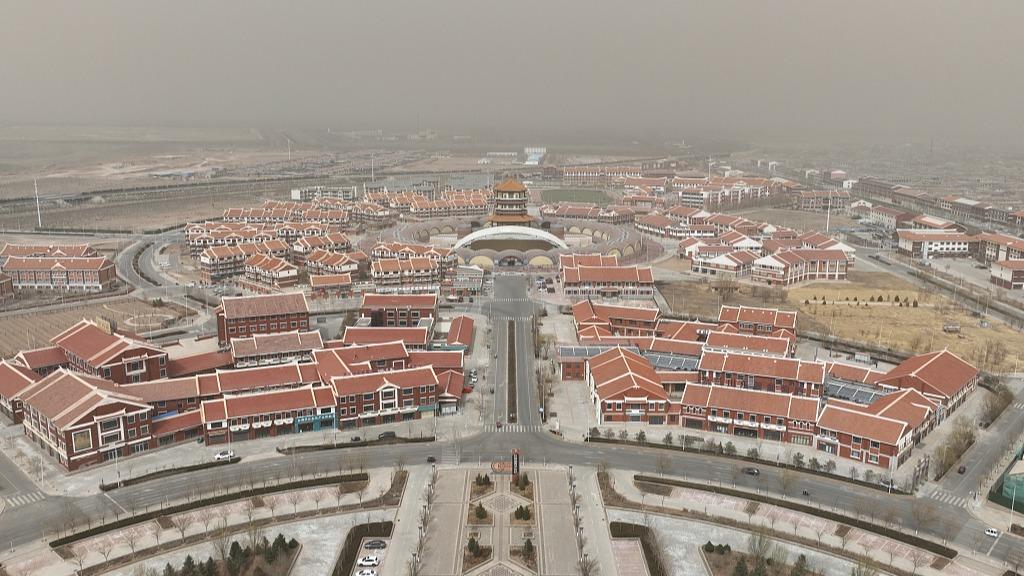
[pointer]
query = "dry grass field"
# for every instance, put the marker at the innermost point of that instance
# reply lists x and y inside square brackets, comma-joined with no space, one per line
[846,310]
[34,329]
[796,219]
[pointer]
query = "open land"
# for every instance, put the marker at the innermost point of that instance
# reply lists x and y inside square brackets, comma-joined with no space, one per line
[847,312]
[797,219]
[591,196]
[34,329]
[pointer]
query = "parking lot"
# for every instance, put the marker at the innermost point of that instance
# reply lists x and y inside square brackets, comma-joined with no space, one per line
[371,549]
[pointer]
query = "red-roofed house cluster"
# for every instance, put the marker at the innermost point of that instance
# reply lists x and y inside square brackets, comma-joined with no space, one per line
[595,275]
[739,376]
[98,394]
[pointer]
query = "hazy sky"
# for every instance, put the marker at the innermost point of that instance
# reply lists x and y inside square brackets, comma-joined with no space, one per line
[895,68]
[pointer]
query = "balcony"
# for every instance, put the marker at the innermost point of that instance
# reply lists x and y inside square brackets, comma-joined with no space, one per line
[776,427]
[719,420]
[239,428]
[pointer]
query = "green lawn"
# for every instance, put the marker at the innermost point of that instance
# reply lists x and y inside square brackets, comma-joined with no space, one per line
[575,195]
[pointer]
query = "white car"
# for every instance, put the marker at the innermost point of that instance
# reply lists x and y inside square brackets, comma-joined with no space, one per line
[224,455]
[366,572]
[369,561]
[992,532]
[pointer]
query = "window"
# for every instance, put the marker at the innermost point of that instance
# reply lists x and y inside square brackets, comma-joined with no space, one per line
[106,372]
[406,391]
[368,397]
[130,418]
[109,425]
[874,445]
[81,440]
[294,324]
[344,411]
[856,439]
[873,458]
[855,454]
[110,438]
[132,433]
[163,360]
[231,329]
[144,429]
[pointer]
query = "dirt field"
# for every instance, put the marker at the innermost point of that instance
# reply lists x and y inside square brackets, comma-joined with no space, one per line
[34,330]
[885,323]
[796,219]
[152,211]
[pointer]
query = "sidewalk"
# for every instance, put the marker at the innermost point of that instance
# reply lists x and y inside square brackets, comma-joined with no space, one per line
[883,550]
[236,514]
[53,479]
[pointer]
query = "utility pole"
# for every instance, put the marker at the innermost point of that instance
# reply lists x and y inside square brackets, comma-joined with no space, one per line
[39,213]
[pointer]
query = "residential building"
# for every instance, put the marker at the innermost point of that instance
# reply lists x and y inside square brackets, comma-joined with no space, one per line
[802,265]
[1008,274]
[761,321]
[98,349]
[270,349]
[749,413]
[243,316]
[608,281]
[409,275]
[624,387]
[398,310]
[68,274]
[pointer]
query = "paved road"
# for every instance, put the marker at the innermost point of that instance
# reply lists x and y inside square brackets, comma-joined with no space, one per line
[537,447]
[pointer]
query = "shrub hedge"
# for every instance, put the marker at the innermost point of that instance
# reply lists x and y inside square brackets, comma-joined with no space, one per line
[212,500]
[745,458]
[168,472]
[933,547]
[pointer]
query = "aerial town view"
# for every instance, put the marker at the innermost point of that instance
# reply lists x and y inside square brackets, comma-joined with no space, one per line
[511,289]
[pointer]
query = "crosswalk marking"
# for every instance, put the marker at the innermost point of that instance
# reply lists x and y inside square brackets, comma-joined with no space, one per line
[510,299]
[26,498]
[513,428]
[1018,405]
[947,498]
[450,456]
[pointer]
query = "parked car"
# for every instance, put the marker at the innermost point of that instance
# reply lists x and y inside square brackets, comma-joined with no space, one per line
[751,471]
[498,424]
[224,455]
[992,532]
[961,469]
[375,545]
[366,572]
[356,439]
[369,561]
[431,459]
[386,436]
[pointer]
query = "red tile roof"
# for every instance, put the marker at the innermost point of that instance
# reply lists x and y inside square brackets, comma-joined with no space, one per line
[97,347]
[939,373]
[461,331]
[748,343]
[66,397]
[768,366]
[769,316]
[198,363]
[604,274]
[365,383]
[381,301]
[42,357]
[14,379]
[412,336]
[744,400]
[280,343]
[264,305]
[842,418]
[619,373]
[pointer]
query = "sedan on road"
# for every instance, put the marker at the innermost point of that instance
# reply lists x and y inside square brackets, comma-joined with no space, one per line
[751,471]
[375,545]
[224,455]
[992,532]
[366,572]
[369,561]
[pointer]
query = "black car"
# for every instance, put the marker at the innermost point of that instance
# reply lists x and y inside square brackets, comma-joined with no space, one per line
[375,545]
[751,471]
[386,436]
[356,439]
[431,459]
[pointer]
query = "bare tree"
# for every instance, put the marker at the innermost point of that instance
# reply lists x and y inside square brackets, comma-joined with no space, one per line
[317,496]
[295,497]
[131,536]
[339,492]
[786,481]
[105,546]
[271,502]
[864,569]
[845,534]
[78,555]
[222,541]
[919,558]
[923,512]
[664,464]
[587,566]
[182,522]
